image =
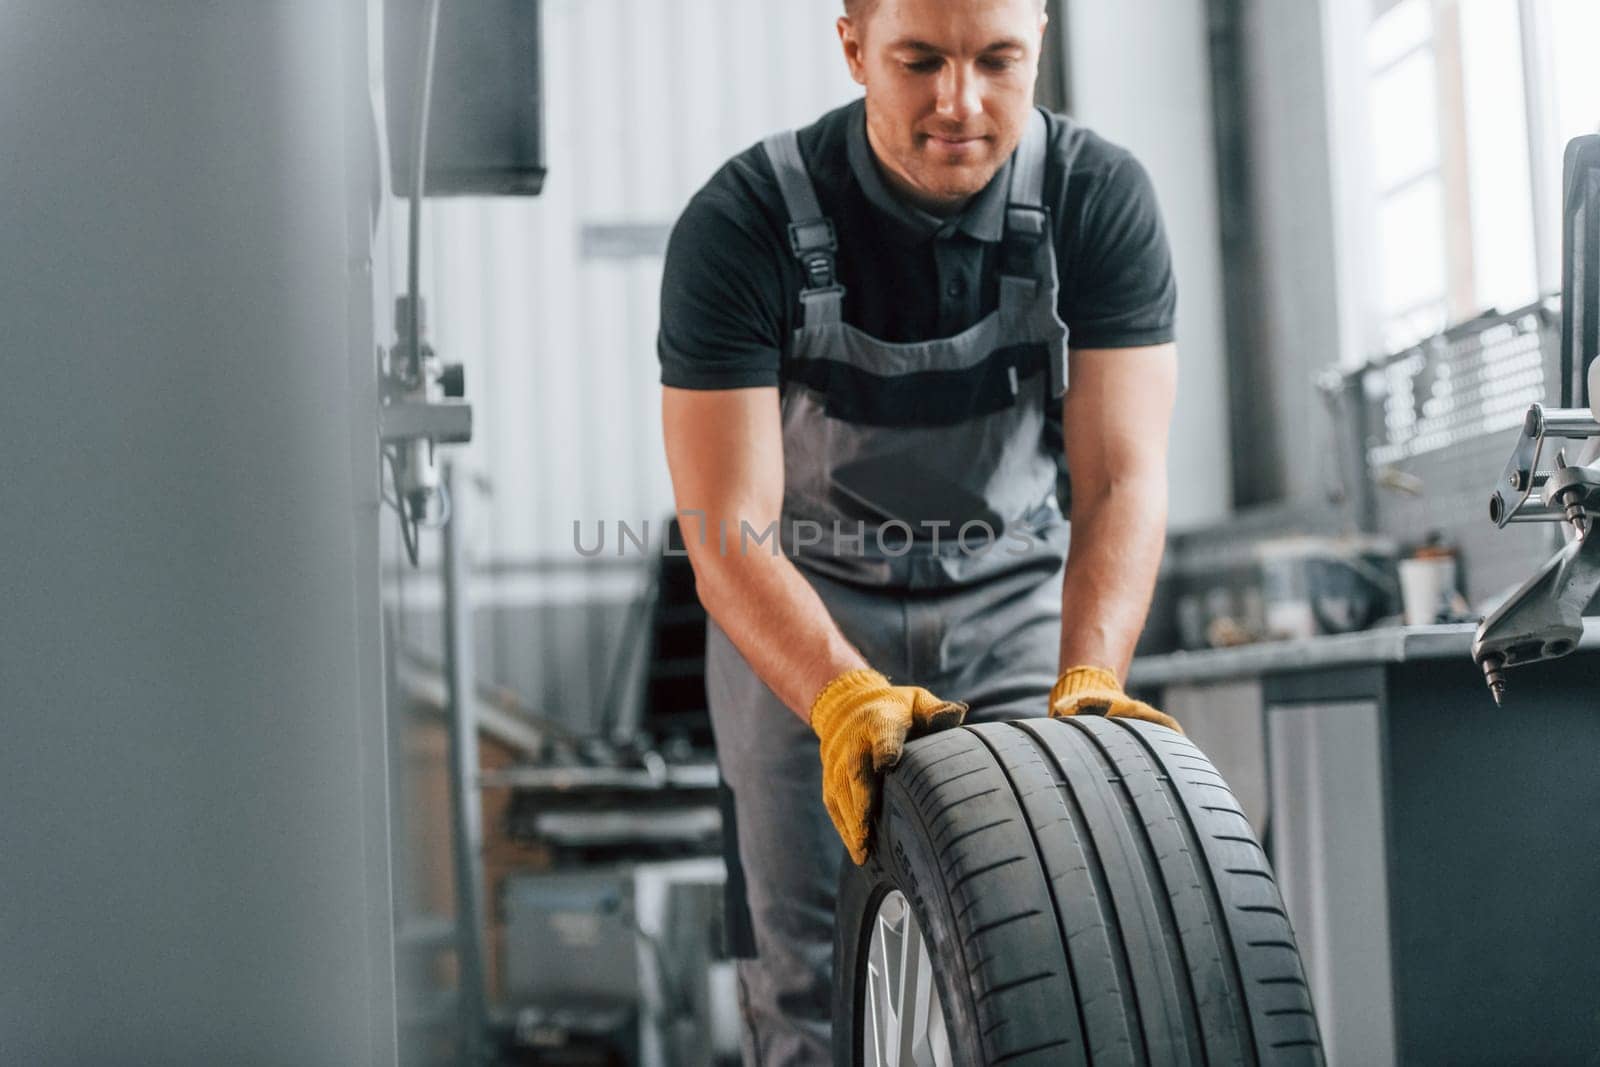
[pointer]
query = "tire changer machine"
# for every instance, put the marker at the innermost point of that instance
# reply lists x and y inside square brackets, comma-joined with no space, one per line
[1543,619]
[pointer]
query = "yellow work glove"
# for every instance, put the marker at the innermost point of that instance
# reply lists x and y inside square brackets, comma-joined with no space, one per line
[863,723]
[1095,691]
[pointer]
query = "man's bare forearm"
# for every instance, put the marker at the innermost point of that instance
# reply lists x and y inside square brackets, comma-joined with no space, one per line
[773,617]
[1117,541]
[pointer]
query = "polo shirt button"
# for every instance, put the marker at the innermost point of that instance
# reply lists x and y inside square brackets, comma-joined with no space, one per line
[955,288]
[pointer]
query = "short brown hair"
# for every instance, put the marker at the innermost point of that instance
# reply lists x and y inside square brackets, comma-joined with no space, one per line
[856,10]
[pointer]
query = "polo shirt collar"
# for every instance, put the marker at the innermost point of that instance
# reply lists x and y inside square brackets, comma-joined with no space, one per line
[984,216]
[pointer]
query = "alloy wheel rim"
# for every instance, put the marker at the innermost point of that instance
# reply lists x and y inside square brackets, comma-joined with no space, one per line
[903,1020]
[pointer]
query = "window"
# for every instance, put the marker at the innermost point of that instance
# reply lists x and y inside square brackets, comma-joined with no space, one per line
[1470,104]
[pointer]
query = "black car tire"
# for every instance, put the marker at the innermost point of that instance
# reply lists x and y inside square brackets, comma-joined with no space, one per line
[1089,892]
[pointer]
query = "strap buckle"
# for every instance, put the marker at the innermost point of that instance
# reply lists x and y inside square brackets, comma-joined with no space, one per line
[1027,221]
[813,235]
[1027,227]
[820,294]
[814,242]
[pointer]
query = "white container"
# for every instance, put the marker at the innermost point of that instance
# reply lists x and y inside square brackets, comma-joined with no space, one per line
[1426,586]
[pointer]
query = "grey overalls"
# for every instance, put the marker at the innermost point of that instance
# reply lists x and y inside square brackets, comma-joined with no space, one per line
[943,431]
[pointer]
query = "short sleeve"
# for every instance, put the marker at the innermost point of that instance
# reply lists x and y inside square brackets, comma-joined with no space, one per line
[721,295]
[1123,292]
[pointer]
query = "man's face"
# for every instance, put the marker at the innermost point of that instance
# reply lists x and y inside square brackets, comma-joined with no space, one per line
[949,85]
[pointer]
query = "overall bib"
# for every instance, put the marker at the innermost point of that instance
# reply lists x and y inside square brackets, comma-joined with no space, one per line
[920,502]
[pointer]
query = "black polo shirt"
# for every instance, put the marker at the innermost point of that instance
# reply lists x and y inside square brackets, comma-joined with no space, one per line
[730,288]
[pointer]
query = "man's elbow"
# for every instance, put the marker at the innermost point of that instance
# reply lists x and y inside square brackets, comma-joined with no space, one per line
[1139,491]
[721,559]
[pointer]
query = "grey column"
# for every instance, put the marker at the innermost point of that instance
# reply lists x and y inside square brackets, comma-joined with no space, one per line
[194,856]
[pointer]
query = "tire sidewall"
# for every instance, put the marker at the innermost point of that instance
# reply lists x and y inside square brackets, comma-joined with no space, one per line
[903,857]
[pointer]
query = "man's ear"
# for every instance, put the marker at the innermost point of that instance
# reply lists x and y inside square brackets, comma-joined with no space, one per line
[851,43]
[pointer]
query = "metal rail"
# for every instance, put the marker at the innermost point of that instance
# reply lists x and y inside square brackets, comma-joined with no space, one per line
[465,810]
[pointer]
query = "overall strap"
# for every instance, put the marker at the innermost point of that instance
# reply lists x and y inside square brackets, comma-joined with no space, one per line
[811,234]
[1027,169]
[1027,221]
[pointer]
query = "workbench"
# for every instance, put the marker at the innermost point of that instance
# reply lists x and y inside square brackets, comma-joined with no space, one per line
[1439,857]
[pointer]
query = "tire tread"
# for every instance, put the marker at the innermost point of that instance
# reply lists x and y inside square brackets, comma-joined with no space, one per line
[1100,899]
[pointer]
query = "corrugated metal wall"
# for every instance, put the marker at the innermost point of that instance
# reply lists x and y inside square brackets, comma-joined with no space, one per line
[552,305]
[1140,75]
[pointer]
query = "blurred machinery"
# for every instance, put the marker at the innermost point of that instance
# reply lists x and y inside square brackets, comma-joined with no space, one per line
[618,964]
[611,945]
[614,954]
[610,953]
[463,112]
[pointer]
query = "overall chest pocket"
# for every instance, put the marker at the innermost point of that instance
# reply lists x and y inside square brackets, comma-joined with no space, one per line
[921,398]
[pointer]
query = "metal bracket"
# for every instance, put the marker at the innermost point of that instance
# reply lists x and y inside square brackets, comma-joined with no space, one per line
[446,422]
[1522,477]
[1544,618]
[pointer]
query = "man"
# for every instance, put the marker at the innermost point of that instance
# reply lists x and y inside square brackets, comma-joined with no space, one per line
[864,347]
